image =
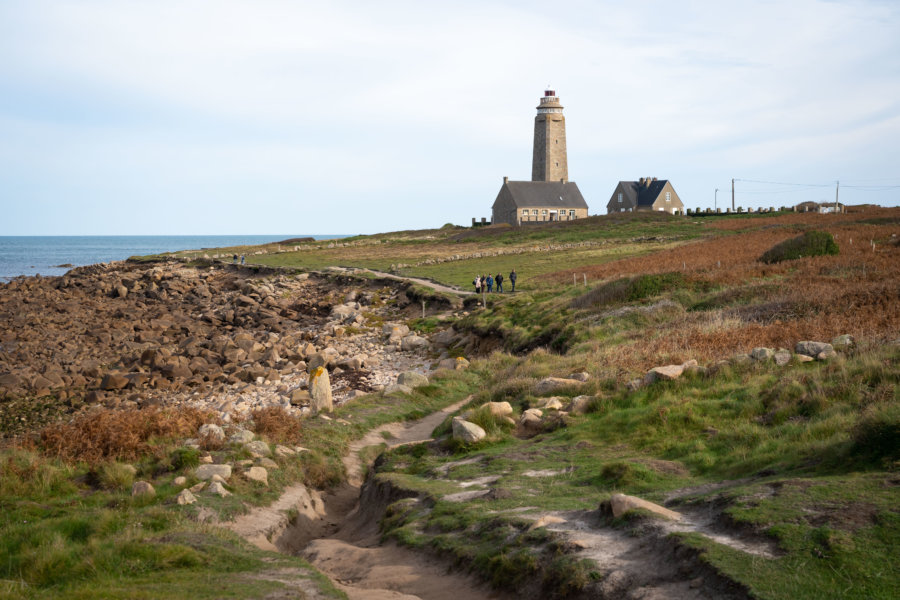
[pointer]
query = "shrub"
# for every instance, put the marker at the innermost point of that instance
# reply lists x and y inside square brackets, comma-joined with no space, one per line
[276,424]
[115,476]
[630,289]
[811,243]
[877,434]
[185,458]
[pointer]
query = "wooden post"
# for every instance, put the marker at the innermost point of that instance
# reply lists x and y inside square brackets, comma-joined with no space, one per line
[585,279]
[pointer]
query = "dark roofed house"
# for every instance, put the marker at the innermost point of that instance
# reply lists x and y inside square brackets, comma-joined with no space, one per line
[647,193]
[521,202]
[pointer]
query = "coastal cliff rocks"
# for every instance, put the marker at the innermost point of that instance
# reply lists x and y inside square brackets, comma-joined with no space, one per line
[226,339]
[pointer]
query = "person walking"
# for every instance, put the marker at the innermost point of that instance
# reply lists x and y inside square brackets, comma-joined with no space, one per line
[490,283]
[242,259]
[234,259]
[499,281]
[477,283]
[512,280]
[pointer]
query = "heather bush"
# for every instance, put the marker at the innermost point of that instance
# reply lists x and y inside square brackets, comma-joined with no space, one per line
[811,243]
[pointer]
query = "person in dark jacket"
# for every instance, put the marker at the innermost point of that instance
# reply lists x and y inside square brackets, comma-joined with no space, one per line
[512,280]
[499,281]
[490,284]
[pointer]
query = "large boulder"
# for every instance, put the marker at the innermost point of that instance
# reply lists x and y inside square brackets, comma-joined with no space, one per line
[412,379]
[142,488]
[762,354]
[413,342]
[205,472]
[813,349]
[467,432]
[212,432]
[666,373]
[257,474]
[499,409]
[580,405]
[320,391]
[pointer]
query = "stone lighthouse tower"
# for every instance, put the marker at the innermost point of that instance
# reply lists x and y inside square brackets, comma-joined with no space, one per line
[549,162]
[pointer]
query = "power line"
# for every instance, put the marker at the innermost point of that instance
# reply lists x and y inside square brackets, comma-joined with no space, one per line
[783,183]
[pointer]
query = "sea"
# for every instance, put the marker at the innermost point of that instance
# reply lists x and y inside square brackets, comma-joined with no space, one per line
[47,255]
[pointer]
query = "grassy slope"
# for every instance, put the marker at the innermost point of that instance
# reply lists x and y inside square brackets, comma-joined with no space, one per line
[799,434]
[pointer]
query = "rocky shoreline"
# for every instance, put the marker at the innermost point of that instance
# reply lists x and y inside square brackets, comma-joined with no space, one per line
[133,335]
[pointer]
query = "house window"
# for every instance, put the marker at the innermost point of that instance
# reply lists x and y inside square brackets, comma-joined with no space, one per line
[534,212]
[620,198]
[524,211]
[668,196]
[543,212]
[571,213]
[621,210]
[662,208]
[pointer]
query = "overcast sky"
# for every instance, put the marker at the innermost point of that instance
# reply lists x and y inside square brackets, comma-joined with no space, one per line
[265,117]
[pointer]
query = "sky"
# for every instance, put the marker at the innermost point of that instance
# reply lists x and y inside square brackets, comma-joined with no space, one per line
[343,117]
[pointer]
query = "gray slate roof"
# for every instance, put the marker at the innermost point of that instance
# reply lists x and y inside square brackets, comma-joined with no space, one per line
[642,195]
[546,193]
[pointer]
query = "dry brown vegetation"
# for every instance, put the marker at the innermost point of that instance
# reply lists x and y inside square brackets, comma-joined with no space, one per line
[855,292]
[276,424]
[119,435]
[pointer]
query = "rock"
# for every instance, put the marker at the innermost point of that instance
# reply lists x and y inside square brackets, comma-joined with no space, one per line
[206,459]
[621,504]
[185,497]
[454,364]
[216,487]
[268,463]
[581,376]
[467,432]
[207,471]
[284,451]
[762,354]
[826,354]
[320,391]
[782,357]
[499,409]
[241,436]
[412,379]
[445,338]
[141,488]
[579,405]
[121,291]
[258,449]
[197,487]
[552,403]
[212,431]
[394,329]
[739,359]
[666,373]
[113,381]
[531,419]
[802,358]
[397,389]
[812,348]
[634,384]
[550,384]
[257,474]
[9,381]
[842,342]
[413,342]
[180,480]
[546,520]
[300,396]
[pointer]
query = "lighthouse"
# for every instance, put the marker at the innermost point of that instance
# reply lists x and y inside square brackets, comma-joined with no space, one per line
[549,162]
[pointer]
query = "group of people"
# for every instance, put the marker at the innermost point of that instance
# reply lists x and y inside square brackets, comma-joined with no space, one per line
[234,259]
[487,283]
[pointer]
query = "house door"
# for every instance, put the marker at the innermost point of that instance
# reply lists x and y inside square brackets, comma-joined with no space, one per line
[554,216]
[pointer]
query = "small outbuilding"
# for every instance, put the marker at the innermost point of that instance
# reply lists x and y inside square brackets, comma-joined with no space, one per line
[647,193]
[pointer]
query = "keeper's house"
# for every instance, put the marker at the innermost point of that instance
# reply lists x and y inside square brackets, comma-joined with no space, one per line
[647,193]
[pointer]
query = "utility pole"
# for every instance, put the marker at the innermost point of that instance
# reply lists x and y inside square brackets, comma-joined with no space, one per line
[716,200]
[732,194]
[837,190]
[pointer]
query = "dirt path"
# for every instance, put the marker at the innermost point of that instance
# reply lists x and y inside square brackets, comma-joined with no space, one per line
[438,287]
[351,554]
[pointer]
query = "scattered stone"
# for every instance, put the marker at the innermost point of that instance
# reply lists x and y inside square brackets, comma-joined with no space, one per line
[621,504]
[412,379]
[206,459]
[241,436]
[258,449]
[666,373]
[531,419]
[467,432]
[546,520]
[414,342]
[802,358]
[205,472]
[180,480]
[284,451]
[782,357]
[579,405]
[216,487]
[812,349]
[212,432]
[197,487]
[842,342]
[267,463]
[185,497]
[257,474]
[141,488]
[113,381]
[499,409]
[551,384]
[581,376]
[397,389]
[762,354]
[826,354]
[552,403]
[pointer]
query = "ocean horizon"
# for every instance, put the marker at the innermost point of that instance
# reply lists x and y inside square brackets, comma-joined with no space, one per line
[45,254]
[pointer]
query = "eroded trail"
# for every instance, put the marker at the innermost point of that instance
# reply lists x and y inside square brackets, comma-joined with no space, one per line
[345,543]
